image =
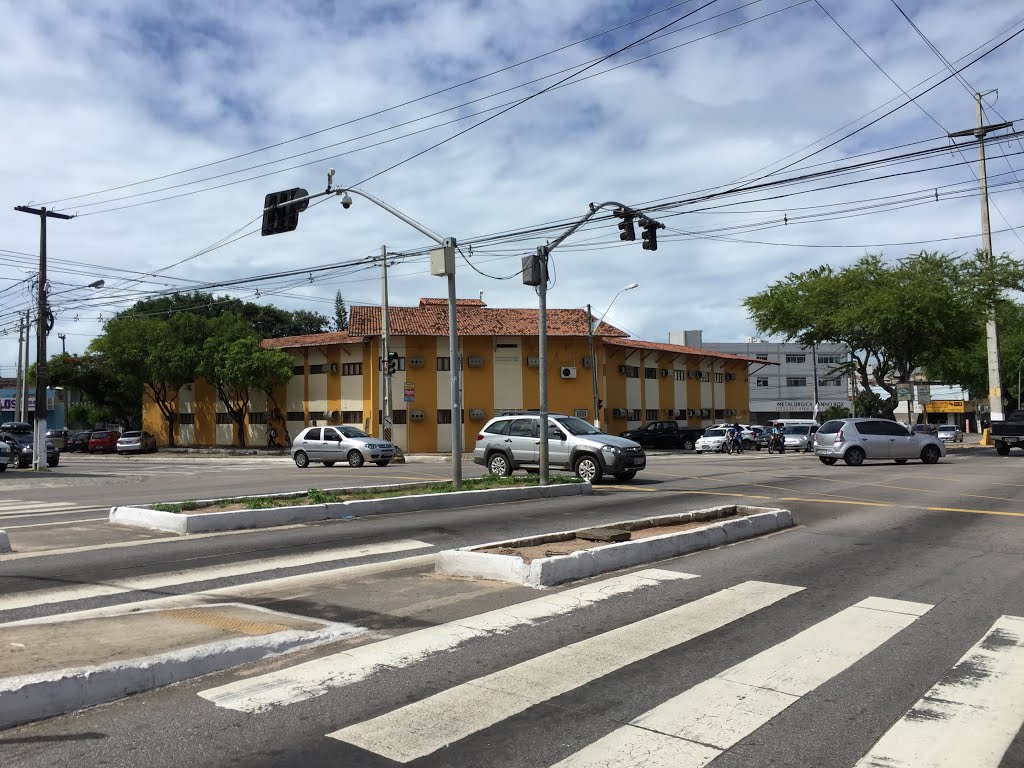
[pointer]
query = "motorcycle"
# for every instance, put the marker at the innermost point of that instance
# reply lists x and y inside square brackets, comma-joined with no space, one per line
[776,443]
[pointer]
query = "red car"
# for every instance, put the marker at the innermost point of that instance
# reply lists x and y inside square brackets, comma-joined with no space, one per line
[104,440]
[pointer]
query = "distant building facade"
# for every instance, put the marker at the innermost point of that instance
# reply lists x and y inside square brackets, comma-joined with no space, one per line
[784,386]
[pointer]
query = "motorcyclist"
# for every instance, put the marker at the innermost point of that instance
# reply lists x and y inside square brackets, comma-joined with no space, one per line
[777,439]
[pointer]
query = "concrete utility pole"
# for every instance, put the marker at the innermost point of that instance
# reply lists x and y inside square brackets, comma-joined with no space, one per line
[17,391]
[385,349]
[39,454]
[23,386]
[593,364]
[995,391]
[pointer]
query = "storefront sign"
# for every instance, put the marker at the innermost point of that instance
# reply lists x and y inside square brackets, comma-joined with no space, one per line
[11,403]
[945,406]
[808,405]
[410,392]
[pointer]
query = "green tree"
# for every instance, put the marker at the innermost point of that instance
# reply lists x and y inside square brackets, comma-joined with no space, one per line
[834,412]
[340,313]
[114,392]
[895,317]
[234,363]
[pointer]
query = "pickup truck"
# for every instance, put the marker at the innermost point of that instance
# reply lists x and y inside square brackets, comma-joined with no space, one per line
[1009,433]
[664,434]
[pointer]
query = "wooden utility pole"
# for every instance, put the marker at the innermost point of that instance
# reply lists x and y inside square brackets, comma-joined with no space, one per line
[995,389]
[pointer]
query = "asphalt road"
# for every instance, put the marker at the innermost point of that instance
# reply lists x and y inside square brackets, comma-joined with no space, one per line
[767,656]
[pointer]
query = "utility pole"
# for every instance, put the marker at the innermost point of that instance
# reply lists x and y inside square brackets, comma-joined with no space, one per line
[814,372]
[593,363]
[23,389]
[39,454]
[542,352]
[385,365]
[995,391]
[17,393]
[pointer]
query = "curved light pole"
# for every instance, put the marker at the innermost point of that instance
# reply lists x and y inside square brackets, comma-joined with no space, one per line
[1018,381]
[591,328]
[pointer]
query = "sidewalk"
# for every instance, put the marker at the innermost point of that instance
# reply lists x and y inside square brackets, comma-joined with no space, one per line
[224,451]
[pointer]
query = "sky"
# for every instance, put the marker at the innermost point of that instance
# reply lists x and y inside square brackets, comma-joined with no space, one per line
[162,126]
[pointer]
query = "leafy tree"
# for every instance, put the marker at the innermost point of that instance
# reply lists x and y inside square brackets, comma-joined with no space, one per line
[834,412]
[114,392]
[894,317]
[235,363]
[340,313]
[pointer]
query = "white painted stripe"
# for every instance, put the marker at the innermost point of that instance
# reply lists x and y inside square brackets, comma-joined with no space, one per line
[15,504]
[57,522]
[425,726]
[970,717]
[55,513]
[317,677]
[176,578]
[716,714]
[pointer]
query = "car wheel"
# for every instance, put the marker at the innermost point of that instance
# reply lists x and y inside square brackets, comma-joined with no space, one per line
[588,468]
[328,463]
[747,445]
[3,467]
[1002,448]
[900,461]
[827,460]
[930,454]
[625,476]
[855,457]
[301,459]
[382,463]
[687,445]
[355,459]
[54,462]
[699,452]
[497,465]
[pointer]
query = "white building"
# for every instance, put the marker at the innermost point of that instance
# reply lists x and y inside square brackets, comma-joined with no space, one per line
[786,391]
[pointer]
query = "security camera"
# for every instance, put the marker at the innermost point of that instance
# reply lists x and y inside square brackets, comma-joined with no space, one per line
[346,201]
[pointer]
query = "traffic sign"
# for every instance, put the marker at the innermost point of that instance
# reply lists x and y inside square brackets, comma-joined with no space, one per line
[410,392]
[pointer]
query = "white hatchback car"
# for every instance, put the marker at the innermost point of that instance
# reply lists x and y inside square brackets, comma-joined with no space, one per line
[329,445]
[858,440]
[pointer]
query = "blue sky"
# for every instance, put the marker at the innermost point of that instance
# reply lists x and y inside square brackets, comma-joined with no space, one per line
[113,93]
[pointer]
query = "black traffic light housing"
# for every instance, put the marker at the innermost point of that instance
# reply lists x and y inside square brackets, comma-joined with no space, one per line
[626,231]
[280,214]
[392,363]
[650,234]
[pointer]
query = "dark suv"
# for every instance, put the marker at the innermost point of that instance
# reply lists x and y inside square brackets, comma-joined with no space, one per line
[512,441]
[664,434]
[19,436]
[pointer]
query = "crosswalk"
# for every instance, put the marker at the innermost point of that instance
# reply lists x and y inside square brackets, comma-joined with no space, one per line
[16,508]
[967,719]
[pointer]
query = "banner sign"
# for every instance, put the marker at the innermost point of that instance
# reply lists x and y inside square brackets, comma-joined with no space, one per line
[410,392]
[11,403]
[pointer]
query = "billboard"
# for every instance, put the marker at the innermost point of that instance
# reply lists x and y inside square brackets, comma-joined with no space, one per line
[10,404]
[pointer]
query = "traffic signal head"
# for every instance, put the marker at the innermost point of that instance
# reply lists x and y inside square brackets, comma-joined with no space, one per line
[626,231]
[392,363]
[280,214]
[650,235]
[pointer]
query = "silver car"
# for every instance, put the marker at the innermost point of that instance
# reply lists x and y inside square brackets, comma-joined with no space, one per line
[858,440]
[136,441]
[329,445]
[799,437]
[950,433]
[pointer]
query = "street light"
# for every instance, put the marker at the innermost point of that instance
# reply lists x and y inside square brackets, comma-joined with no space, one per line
[1018,381]
[591,327]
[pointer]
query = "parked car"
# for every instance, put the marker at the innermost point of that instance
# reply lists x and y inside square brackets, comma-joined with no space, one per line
[712,440]
[103,440]
[79,441]
[1006,434]
[799,437]
[950,433]
[22,445]
[664,434]
[925,429]
[59,437]
[329,445]
[7,455]
[511,441]
[135,441]
[858,440]
[16,427]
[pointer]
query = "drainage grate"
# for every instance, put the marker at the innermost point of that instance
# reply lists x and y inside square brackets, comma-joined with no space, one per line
[223,621]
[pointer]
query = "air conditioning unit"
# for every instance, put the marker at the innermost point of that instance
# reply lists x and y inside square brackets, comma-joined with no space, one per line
[731,412]
[415,362]
[475,361]
[331,415]
[568,372]
[705,413]
[730,377]
[665,373]
[476,414]
[586,362]
[415,415]
[533,362]
[691,412]
[620,413]
[334,367]
[623,368]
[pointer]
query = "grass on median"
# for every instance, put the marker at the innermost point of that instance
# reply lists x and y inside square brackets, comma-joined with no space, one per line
[317,496]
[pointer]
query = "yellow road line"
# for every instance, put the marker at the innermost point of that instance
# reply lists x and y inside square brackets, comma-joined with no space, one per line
[839,501]
[723,493]
[974,511]
[625,488]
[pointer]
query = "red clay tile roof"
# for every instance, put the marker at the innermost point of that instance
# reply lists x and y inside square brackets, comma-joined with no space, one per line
[474,319]
[681,350]
[311,340]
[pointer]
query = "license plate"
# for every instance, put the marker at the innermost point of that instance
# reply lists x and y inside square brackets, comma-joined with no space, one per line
[639,462]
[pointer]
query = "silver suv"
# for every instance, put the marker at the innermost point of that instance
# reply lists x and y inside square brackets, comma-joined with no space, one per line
[512,441]
[857,440]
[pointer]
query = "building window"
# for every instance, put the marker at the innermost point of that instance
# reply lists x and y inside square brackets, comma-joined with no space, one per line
[793,358]
[444,416]
[351,369]
[831,359]
[296,416]
[258,417]
[652,414]
[796,381]
[186,418]
[679,375]
[444,364]
[761,382]
[830,382]
[224,418]
[630,371]
[581,413]
[634,414]
[351,417]
[650,373]
[400,417]
[299,370]
[719,378]
[719,413]
[761,356]
[323,368]
[705,375]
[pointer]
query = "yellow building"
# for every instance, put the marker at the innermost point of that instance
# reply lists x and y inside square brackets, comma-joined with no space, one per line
[338,378]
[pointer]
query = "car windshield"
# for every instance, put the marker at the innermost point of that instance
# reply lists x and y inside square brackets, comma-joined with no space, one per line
[352,432]
[25,438]
[575,426]
[795,430]
[947,428]
[132,434]
[715,433]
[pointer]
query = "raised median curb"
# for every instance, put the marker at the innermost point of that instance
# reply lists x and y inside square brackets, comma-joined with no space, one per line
[208,522]
[27,698]
[5,542]
[558,569]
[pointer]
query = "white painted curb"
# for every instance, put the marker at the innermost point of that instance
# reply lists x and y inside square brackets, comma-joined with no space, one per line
[206,522]
[549,571]
[27,698]
[5,542]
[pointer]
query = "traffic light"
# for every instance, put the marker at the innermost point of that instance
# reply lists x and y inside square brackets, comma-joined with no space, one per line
[650,235]
[626,231]
[392,363]
[280,214]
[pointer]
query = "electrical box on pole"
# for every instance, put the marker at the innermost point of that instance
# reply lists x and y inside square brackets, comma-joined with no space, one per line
[280,214]
[442,260]
[534,269]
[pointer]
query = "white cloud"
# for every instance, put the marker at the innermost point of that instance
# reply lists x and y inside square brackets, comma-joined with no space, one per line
[112,93]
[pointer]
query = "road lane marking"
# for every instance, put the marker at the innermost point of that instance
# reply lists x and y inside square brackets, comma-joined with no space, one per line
[722,493]
[970,717]
[838,501]
[973,511]
[315,678]
[692,729]
[425,726]
[625,488]
[177,578]
[59,522]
